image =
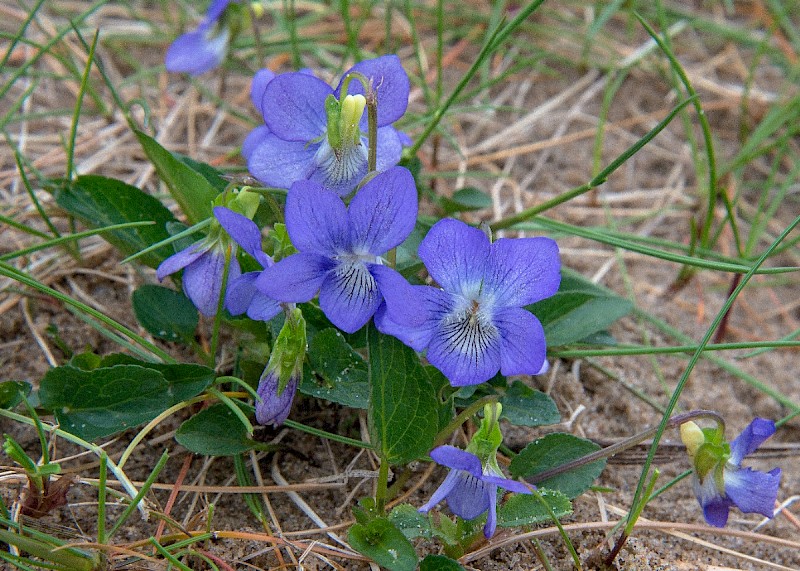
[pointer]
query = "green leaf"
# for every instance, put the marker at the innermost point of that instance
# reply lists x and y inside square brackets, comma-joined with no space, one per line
[403,407]
[211,174]
[383,543]
[121,394]
[101,402]
[527,509]
[439,563]
[578,310]
[343,370]
[12,393]
[466,199]
[554,450]
[165,313]
[525,406]
[411,522]
[185,380]
[190,188]
[99,201]
[86,361]
[215,431]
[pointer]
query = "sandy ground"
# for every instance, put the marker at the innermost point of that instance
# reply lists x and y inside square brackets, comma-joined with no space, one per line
[536,145]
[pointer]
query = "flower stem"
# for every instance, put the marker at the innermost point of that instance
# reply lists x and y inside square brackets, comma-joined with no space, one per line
[212,353]
[570,547]
[462,417]
[629,442]
[372,133]
[381,486]
[631,522]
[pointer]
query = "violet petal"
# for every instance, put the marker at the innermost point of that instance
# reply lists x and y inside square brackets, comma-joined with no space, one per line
[523,270]
[389,80]
[294,106]
[383,212]
[317,220]
[456,256]
[522,342]
[294,279]
[279,163]
[349,296]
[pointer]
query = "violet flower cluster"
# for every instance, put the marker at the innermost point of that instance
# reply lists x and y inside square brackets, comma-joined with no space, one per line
[315,142]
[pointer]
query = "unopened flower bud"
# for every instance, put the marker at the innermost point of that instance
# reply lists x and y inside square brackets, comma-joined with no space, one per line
[692,437]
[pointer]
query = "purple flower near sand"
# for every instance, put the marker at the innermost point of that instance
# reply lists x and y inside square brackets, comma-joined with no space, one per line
[203,49]
[340,247]
[313,132]
[274,407]
[278,383]
[470,488]
[476,325]
[203,265]
[720,482]
[242,295]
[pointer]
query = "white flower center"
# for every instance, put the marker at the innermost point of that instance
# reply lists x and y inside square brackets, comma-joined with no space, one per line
[341,165]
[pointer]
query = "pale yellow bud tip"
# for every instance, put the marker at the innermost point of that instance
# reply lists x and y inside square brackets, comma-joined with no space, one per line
[692,437]
[352,109]
[257,8]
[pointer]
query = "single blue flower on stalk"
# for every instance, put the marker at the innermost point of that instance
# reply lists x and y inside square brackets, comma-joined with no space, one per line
[203,49]
[340,247]
[317,133]
[242,296]
[476,325]
[278,383]
[203,265]
[471,486]
[720,482]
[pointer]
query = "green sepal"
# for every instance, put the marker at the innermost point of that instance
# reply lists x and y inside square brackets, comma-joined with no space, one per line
[488,437]
[709,456]
[333,112]
[289,351]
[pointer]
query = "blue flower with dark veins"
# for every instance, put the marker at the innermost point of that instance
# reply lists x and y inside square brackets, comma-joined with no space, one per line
[475,324]
[340,247]
[720,482]
[203,49]
[317,133]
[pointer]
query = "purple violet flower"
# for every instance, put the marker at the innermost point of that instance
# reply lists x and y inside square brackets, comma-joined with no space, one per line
[203,49]
[278,383]
[470,488]
[340,247]
[274,406]
[242,295]
[203,265]
[317,133]
[720,482]
[476,324]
